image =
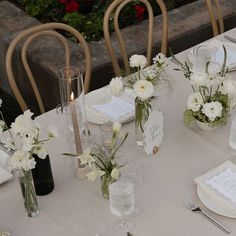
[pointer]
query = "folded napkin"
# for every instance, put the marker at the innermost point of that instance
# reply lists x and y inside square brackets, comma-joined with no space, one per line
[219,184]
[231,53]
[116,109]
[4,173]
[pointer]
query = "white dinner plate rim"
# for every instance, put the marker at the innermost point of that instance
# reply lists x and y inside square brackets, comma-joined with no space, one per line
[210,204]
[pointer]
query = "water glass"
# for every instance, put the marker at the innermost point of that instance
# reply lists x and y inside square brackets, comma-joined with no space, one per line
[121,198]
[232,139]
[106,134]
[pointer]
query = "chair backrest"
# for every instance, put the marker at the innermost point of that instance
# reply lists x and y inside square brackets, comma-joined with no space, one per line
[116,6]
[29,35]
[216,18]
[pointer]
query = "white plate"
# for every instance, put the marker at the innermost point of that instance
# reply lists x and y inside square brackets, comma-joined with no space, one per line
[102,96]
[212,204]
[231,50]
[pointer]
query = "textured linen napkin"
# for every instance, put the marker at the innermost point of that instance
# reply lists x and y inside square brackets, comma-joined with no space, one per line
[231,53]
[220,185]
[116,109]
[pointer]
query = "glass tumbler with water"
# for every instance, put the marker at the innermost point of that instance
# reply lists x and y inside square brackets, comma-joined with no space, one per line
[121,195]
[232,140]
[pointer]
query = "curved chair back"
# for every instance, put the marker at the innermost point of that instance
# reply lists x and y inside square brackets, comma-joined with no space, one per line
[29,35]
[116,6]
[216,18]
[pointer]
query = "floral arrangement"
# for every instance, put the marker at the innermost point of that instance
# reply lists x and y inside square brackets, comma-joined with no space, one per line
[102,162]
[213,96]
[143,84]
[25,140]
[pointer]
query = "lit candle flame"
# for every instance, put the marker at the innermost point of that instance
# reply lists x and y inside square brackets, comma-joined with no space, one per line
[72,96]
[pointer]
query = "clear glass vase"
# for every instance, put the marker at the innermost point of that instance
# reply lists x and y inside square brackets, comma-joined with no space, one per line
[28,192]
[142,111]
[106,180]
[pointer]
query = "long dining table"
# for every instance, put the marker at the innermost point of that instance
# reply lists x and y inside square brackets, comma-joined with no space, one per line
[77,207]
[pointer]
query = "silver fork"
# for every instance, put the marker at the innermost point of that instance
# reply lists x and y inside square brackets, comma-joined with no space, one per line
[192,206]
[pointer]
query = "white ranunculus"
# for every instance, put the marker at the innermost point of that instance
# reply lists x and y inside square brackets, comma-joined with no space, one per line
[116,127]
[92,175]
[194,102]
[229,87]
[138,61]
[116,86]
[212,110]
[160,59]
[198,79]
[115,173]
[143,89]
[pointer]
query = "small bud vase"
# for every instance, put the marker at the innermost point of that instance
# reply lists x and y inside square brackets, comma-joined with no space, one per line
[106,180]
[28,192]
[142,111]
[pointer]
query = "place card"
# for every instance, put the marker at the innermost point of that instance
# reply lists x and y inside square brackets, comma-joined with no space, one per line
[153,132]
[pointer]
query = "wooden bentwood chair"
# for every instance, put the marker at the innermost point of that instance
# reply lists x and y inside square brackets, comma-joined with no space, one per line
[31,34]
[116,7]
[216,18]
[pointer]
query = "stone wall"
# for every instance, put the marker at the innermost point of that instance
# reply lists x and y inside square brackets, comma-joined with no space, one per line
[188,25]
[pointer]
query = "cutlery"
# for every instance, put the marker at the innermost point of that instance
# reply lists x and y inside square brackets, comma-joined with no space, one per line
[230,38]
[193,207]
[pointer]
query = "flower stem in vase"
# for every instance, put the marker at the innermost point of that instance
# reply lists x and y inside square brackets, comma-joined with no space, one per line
[142,111]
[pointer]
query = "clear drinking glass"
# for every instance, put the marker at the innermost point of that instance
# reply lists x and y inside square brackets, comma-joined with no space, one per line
[121,198]
[232,139]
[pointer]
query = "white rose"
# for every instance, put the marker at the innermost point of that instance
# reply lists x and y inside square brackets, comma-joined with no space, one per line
[115,173]
[116,86]
[198,79]
[229,87]
[138,61]
[116,127]
[194,102]
[143,89]
[212,110]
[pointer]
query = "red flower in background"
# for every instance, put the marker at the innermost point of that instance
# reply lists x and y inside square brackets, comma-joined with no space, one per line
[70,5]
[139,12]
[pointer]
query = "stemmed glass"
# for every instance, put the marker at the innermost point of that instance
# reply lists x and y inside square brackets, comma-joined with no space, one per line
[121,196]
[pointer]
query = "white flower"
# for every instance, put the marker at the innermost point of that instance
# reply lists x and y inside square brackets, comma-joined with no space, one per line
[116,127]
[143,89]
[214,69]
[229,87]
[86,159]
[21,159]
[150,72]
[198,79]
[138,61]
[212,110]
[115,173]
[40,151]
[160,59]
[53,131]
[92,175]
[27,143]
[116,86]
[194,102]
[0,102]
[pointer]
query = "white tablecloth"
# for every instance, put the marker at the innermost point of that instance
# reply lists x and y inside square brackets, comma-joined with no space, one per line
[76,207]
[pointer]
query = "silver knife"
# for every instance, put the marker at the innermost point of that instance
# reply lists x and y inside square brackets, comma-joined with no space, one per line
[230,39]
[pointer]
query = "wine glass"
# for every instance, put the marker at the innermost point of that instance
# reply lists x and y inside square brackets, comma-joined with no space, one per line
[121,197]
